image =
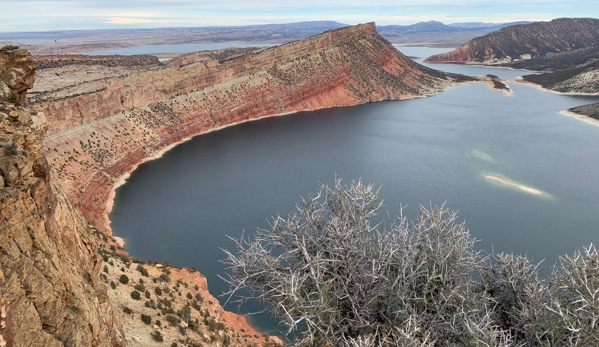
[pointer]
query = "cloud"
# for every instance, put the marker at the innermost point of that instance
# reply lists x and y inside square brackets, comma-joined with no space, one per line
[35,15]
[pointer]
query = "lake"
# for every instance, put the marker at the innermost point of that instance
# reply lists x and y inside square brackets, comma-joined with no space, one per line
[180,207]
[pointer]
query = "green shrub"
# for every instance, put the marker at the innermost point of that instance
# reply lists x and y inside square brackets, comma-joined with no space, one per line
[127,310]
[124,279]
[148,294]
[10,150]
[142,270]
[195,305]
[147,319]
[112,285]
[172,320]
[158,291]
[135,295]
[189,296]
[157,336]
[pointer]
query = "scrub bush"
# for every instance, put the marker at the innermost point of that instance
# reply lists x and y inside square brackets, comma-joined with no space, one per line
[335,278]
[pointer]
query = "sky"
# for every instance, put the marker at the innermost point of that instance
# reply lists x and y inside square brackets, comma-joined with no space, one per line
[45,15]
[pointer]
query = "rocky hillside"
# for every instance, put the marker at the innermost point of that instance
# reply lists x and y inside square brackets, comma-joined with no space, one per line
[55,61]
[591,111]
[160,305]
[49,290]
[581,80]
[101,129]
[524,42]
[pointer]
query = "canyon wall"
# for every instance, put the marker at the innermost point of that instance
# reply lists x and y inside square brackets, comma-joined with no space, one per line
[99,130]
[49,292]
[525,42]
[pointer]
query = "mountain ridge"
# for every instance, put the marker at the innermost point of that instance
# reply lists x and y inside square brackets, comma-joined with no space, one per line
[525,42]
[81,41]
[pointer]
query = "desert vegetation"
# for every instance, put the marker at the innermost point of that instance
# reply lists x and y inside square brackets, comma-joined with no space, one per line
[334,277]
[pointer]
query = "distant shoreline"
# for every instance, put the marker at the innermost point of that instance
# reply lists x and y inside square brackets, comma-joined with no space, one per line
[581,117]
[534,85]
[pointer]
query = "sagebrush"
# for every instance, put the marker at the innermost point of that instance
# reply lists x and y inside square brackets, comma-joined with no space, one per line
[335,278]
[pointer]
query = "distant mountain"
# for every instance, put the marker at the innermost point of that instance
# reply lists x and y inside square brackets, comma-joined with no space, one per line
[68,41]
[263,33]
[434,32]
[479,25]
[431,26]
[524,42]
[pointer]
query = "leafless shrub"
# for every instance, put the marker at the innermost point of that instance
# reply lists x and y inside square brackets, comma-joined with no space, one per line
[575,300]
[334,278]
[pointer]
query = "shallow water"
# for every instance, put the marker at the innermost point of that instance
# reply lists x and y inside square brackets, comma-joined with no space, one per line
[179,208]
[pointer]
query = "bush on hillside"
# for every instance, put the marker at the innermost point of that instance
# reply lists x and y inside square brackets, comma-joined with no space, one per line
[124,279]
[135,295]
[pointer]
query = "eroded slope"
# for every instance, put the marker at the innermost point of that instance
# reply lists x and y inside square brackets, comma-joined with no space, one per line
[100,135]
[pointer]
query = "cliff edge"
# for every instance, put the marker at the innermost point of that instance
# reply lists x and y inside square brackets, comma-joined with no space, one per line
[49,292]
[101,129]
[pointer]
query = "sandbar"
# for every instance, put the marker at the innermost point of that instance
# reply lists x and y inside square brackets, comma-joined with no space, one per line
[508,183]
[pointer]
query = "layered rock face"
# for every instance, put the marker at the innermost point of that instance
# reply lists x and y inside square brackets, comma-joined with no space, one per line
[49,293]
[101,129]
[524,42]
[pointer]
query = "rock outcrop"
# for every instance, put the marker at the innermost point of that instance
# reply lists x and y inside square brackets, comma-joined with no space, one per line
[101,129]
[16,74]
[525,42]
[49,291]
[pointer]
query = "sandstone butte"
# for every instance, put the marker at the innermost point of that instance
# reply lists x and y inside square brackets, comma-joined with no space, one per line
[100,130]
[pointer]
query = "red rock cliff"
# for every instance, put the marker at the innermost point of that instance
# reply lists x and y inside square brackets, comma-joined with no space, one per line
[49,292]
[102,129]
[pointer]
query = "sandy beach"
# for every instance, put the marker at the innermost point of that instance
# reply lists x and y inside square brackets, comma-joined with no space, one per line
[534,85]
[581,117]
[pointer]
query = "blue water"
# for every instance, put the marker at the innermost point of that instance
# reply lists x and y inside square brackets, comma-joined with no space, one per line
[180,207]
